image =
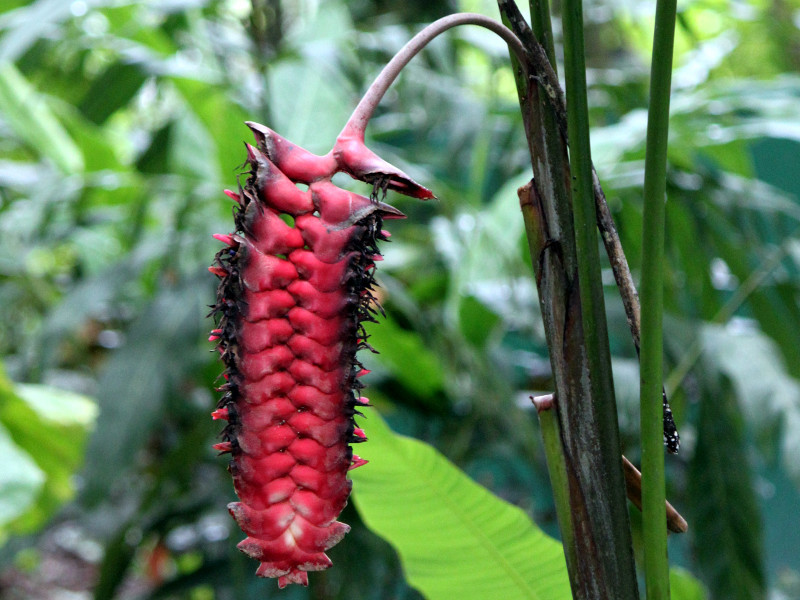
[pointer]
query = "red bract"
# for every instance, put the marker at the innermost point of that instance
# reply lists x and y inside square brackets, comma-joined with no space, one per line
[295,290]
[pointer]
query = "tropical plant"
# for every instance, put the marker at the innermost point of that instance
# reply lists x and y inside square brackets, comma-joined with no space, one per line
[121,123]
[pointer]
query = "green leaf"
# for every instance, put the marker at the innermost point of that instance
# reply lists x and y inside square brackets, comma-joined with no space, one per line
[31,119]
[12,4]
[86,300]
[455,539]
[683,585]
[118,557]
[224,121]
[404,354]
[725,508]
[33,21]
[20,479]
[136,382]
[192,150]
[309,100]
[112,90]
[58,406]
[476,321]
[154,159]
[44,431]
[101,151]
[768,394]
[778,318]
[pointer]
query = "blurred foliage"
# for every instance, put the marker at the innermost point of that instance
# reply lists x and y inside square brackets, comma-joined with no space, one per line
[120,124]
[43,432]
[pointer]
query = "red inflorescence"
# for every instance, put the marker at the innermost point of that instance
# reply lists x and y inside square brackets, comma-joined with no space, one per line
[295,289]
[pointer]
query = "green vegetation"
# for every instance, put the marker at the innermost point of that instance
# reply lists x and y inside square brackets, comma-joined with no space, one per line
[121,123]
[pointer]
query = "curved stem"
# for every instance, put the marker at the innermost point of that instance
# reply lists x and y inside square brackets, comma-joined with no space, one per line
[363,112]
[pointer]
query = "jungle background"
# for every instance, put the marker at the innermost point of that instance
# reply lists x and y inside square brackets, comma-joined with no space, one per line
[120,124]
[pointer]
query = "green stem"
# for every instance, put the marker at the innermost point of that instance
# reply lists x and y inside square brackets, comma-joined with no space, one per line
[550,148]
[536,234]
[547,408]
[542,27]
[597,539]
[656,563]
[591,286]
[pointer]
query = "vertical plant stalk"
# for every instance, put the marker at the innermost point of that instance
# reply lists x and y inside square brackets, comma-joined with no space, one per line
[591,285]
[547,409]
[542,56]
[596,490]
[630,300]
[621,571]
[653,488]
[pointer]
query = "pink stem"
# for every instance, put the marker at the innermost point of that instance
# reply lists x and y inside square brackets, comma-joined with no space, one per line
[357,124]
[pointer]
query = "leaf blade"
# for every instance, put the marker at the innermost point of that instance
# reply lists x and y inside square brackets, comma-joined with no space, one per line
[42,449]
[726,509]
[34,123]
[483,547]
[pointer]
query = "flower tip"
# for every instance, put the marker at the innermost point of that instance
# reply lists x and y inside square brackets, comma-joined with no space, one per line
[261,132]
[252,152]
[255,155]
[225,239]
[356,462]
[390,212]
[354,158]
[223,447]
[295,576]
[220,413]
[233,196]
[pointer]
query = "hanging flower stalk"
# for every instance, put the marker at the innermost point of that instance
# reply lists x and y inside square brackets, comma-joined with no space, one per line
[296,287]
[296,281]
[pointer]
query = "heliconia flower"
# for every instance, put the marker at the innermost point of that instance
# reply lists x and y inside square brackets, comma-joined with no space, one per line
[296,280]
[361,163]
